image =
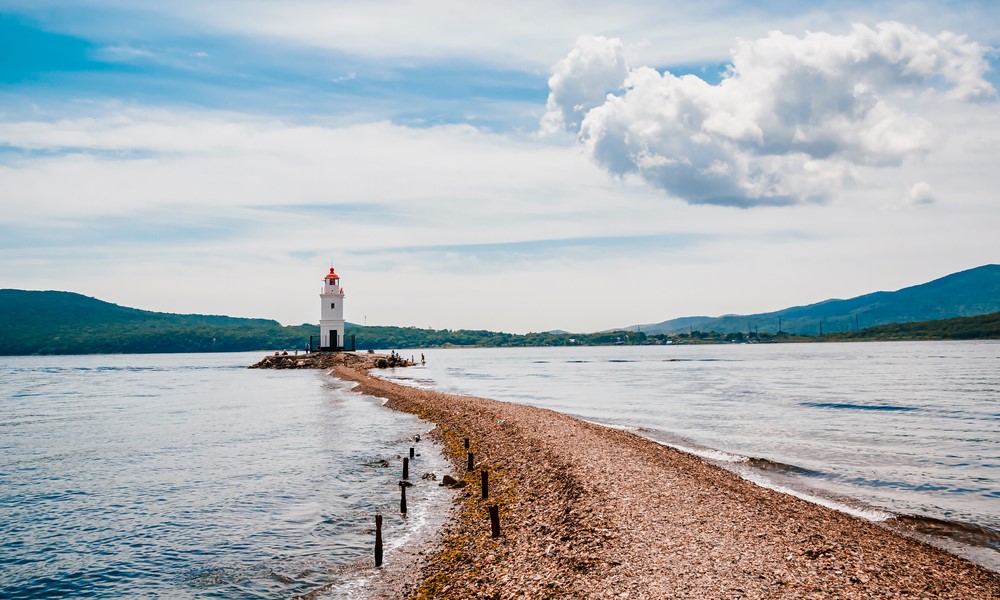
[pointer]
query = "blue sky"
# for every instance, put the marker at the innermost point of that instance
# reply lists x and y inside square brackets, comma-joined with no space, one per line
[465,166]
[47,61]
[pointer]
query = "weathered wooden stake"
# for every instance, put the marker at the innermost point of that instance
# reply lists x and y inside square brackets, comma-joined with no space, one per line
[412,453]
[466,443]
[406,468]
[378,540]
[494,520]
[470,466]
[486,484]
[402,499]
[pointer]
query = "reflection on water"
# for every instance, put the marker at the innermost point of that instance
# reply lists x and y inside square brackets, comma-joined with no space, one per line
[912,428]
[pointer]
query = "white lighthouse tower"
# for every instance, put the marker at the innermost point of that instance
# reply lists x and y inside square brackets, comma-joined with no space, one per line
[331,313]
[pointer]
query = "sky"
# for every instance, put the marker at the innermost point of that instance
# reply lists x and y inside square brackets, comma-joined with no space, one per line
[508,166]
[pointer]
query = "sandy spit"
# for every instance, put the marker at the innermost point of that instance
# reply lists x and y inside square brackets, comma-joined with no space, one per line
[592,512]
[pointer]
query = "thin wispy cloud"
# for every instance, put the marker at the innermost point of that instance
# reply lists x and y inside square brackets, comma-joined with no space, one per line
[122,54]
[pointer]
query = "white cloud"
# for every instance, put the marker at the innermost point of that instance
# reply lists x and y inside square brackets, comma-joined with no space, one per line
[582,80]
[793,120]
[920,194]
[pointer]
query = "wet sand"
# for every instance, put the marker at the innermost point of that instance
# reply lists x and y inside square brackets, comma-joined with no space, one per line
[592,512]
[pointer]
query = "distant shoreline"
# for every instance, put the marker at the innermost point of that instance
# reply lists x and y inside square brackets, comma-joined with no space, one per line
[707,342]
[586,507]
[33,324]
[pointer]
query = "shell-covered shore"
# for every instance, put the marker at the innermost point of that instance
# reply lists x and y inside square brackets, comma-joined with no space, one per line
[592,512]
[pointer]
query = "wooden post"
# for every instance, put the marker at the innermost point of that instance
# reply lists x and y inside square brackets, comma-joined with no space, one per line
[412,453]
[378,540]
[406,469]
[402,499]
[466,443]
[470,466]
[486,484]
[494,520]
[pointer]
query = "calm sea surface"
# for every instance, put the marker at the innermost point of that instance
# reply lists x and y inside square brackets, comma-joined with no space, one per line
[908,430]
[190,476]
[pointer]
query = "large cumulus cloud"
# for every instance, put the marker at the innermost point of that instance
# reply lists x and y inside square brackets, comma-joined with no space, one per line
[791,121]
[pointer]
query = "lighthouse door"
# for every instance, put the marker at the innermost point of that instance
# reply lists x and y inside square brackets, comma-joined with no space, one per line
[334,342]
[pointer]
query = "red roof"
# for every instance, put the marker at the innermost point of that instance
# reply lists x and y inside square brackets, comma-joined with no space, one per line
[332,274]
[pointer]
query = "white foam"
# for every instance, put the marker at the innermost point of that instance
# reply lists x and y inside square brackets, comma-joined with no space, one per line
[753,476]
[868,514]
[710,454]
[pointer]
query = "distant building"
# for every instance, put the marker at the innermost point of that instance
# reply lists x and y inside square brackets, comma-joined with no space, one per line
[331,313]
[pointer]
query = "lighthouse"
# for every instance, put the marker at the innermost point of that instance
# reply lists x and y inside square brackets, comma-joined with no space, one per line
[331,313]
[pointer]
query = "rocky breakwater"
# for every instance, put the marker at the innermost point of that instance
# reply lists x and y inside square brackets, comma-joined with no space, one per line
[329,360]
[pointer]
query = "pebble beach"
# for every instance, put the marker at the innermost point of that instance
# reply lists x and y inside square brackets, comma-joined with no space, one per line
[588,511]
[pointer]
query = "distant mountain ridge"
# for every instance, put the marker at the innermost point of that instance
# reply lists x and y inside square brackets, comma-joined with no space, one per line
[964,294]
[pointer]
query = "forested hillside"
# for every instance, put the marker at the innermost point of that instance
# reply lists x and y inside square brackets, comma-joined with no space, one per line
[983,327]
[963,294]
[66,323]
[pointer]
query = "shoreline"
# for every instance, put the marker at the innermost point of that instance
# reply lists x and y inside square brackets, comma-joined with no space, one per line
[590,511]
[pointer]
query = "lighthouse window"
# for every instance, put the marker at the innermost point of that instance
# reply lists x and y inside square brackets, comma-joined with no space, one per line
[333,305]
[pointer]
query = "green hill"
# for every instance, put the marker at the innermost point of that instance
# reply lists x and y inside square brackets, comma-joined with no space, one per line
[983,327]
[412,337]
[66,323]
[967,293]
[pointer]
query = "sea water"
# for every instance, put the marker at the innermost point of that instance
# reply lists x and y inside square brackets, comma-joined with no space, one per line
[191,476]
[906,433]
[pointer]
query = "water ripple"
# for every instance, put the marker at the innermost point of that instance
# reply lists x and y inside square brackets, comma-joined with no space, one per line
[190,476]
[884,407]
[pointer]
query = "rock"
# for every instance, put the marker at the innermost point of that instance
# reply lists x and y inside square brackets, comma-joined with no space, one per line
[429,476]
[450,481]
[326,360]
